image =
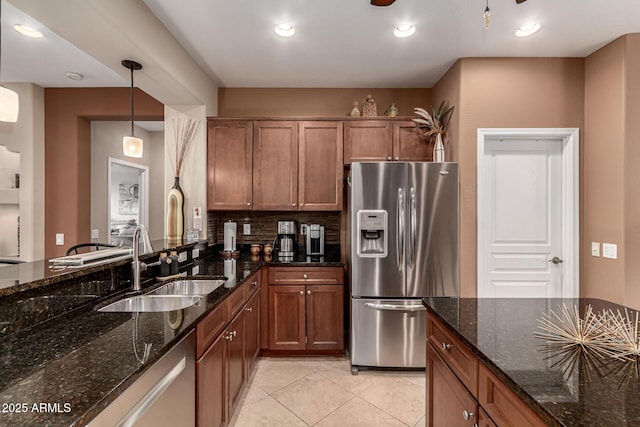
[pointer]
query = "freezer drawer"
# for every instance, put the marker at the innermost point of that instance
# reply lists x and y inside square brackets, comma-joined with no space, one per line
[388,333]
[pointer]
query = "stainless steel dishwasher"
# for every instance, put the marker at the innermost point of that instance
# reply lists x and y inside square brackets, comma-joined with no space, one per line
[164,396]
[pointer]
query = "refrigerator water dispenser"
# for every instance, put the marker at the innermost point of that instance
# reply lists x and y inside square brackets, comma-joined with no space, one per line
[372,233]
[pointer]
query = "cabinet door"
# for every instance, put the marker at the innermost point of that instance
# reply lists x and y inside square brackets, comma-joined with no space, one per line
[236,362]
[286,318]
[252,328]
[408,143]
[229,164]
[320,171]
[367,141]
[448,401]
[325,317]
[275,165]
[484,420]
[212,406]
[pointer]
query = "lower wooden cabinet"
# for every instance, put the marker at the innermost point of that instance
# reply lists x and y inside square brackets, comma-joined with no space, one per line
[448,401]
[212,408]
[224,362]
[462,391]
[306,308]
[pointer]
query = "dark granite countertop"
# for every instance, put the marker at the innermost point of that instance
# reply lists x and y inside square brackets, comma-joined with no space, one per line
[83,359]
[501,333]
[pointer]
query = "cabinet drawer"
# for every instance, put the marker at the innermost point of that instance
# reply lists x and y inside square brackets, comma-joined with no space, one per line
[237,299]
[306,275]
[461,361]
[253,285]
[503,405]
[209,328]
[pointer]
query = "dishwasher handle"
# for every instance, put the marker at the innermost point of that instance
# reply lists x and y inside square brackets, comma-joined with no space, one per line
[394,307]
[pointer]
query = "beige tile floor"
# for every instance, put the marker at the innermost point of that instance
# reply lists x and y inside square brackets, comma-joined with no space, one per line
[322,392]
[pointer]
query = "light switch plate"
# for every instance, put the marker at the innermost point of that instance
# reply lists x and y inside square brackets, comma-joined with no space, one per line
[59,239]
[195,270]
[195,253]
[595,248]
[182,256]
[246,229]
[95,233]
[610,250]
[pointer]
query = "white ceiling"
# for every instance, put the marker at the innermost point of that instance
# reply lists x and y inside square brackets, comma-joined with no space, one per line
[339,43]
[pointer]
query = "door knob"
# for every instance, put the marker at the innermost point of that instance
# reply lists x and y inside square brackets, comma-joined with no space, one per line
[555,260]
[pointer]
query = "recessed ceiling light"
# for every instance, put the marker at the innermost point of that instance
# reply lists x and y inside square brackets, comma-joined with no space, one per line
[527,29]
[28,31]
[404,30]
[74,76]
[285,30]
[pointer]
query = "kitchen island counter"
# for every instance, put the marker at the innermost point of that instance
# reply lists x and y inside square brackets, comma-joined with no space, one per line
[500,333]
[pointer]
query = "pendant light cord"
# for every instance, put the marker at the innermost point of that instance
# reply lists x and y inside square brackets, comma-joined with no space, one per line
[131,96]
[0,42]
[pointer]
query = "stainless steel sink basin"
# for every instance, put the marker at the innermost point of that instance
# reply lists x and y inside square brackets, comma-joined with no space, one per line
[147,303]
[188,287]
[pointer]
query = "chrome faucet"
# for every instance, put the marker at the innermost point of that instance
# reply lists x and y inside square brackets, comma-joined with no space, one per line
[138,266]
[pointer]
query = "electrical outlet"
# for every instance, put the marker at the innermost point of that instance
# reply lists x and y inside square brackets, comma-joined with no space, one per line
[182,256]
[59,239]
[95,233]
[246,229]
[195,253]
[195,270]
[595,248]
[610,250]
[303,229]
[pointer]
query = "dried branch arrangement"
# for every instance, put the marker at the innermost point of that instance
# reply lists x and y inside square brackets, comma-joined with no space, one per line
[436,122]
[184,129]
[607,343]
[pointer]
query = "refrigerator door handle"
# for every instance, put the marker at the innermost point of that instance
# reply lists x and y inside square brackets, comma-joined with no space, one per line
[412,246]
[400,230]
[394,307]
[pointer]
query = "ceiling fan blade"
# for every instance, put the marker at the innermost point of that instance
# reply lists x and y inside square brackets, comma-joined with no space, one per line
[382,2]
[520,1]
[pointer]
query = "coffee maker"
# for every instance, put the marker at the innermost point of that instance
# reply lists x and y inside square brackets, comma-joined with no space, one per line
[286,240]
[315,239]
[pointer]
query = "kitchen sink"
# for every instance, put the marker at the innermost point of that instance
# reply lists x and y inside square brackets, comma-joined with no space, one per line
[188,287]
[148,303]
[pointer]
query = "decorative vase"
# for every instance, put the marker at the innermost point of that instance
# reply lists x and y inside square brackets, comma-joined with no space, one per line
[438,149]
[175,213]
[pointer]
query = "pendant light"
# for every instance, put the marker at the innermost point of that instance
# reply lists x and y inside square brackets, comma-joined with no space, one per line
[487,16]
[9,103]
[131,145]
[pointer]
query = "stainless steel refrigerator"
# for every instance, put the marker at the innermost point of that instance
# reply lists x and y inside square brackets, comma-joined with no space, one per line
[403,238]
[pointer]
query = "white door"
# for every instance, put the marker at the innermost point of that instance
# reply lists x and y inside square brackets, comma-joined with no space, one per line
[521,216]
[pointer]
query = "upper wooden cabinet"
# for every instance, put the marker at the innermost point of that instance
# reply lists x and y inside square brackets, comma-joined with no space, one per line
[229,160]
[320,172]
[367,141]
[275,165]
[380,140]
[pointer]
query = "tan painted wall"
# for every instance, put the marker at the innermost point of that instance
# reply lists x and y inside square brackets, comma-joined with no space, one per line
[503,92]
[632,171]
[68,115]
[611,173]
[260,102]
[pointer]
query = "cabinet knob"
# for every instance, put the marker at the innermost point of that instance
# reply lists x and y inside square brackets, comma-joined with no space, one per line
[445,346]
[248,204]
[304,276]
[467,415]
[389,158]
[397,158]
[233,333]
[249,309]
[301,292]
[254,283]
[293,204]
[227,336]
[308,292]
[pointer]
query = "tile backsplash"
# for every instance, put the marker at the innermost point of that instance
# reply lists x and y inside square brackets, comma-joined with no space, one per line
[264,225]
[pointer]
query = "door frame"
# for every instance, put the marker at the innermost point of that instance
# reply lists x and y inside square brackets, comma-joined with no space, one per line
[143,190]
[570,199]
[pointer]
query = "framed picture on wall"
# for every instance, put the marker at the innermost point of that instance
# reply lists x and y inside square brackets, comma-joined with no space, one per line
[128,199]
